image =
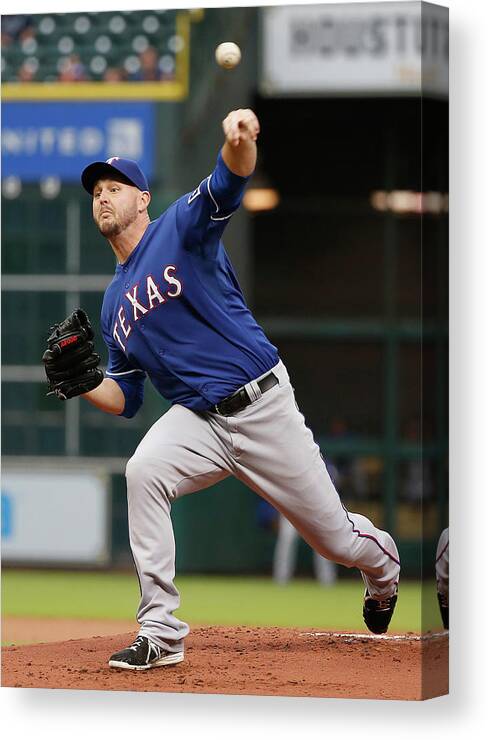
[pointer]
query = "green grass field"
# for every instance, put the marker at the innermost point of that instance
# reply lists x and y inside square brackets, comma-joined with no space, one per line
[207,600]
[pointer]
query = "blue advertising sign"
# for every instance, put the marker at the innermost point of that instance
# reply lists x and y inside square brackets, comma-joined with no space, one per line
[60,139]
[6,515]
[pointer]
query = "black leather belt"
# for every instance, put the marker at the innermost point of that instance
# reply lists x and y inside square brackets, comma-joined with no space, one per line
[240,399]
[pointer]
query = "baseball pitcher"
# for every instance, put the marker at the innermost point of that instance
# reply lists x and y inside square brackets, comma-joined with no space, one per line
[174,313]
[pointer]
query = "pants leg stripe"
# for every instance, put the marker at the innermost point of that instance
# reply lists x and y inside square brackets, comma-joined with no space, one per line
[443,551]
[368,537]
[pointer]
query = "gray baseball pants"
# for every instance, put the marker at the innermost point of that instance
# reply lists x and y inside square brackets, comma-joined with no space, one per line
[269,448]
[442,563]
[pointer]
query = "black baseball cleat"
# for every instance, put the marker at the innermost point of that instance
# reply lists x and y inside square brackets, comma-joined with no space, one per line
[377,614]
[443,600]
[143,654]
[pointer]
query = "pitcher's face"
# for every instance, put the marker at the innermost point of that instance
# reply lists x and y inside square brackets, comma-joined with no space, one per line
[115,206]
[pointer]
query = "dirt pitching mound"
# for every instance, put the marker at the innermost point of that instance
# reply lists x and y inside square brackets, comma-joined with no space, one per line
[28,630]
[243,660]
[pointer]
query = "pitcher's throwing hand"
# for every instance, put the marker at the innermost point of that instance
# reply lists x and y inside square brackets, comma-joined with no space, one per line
[241,125]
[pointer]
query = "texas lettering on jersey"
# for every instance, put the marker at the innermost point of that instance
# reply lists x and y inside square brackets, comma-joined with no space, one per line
[142,299]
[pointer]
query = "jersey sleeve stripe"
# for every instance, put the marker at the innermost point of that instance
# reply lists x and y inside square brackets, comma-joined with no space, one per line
[217,209]
[127,372]
[221,218]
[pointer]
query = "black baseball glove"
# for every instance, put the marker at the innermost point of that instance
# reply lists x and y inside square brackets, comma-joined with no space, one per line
[70,360]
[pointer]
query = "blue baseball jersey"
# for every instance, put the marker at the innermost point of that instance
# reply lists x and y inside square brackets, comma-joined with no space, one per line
[174,311]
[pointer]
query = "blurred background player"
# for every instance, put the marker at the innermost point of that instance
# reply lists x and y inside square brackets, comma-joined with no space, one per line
[285,553]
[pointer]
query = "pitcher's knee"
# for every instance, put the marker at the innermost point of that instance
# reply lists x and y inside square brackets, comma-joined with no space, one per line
[339,553]
[148,471]
[136,468]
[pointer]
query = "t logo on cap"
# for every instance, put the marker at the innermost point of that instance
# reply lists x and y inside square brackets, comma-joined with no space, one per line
[114,166]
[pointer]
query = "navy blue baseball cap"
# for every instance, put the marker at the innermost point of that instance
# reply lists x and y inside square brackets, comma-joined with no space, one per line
[114,166]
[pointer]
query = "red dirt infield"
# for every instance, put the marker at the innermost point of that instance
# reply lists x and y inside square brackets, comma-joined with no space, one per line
[244,660]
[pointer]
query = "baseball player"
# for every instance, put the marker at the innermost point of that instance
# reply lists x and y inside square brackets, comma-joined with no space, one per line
[174,313]
[442,576]
[285,555]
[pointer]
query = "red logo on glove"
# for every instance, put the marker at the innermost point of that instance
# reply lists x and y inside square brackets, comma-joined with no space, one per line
[68,340]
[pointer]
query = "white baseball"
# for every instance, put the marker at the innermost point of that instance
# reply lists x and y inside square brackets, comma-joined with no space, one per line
[228,55]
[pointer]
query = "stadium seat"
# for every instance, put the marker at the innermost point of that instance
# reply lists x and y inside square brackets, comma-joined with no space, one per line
[110,37]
